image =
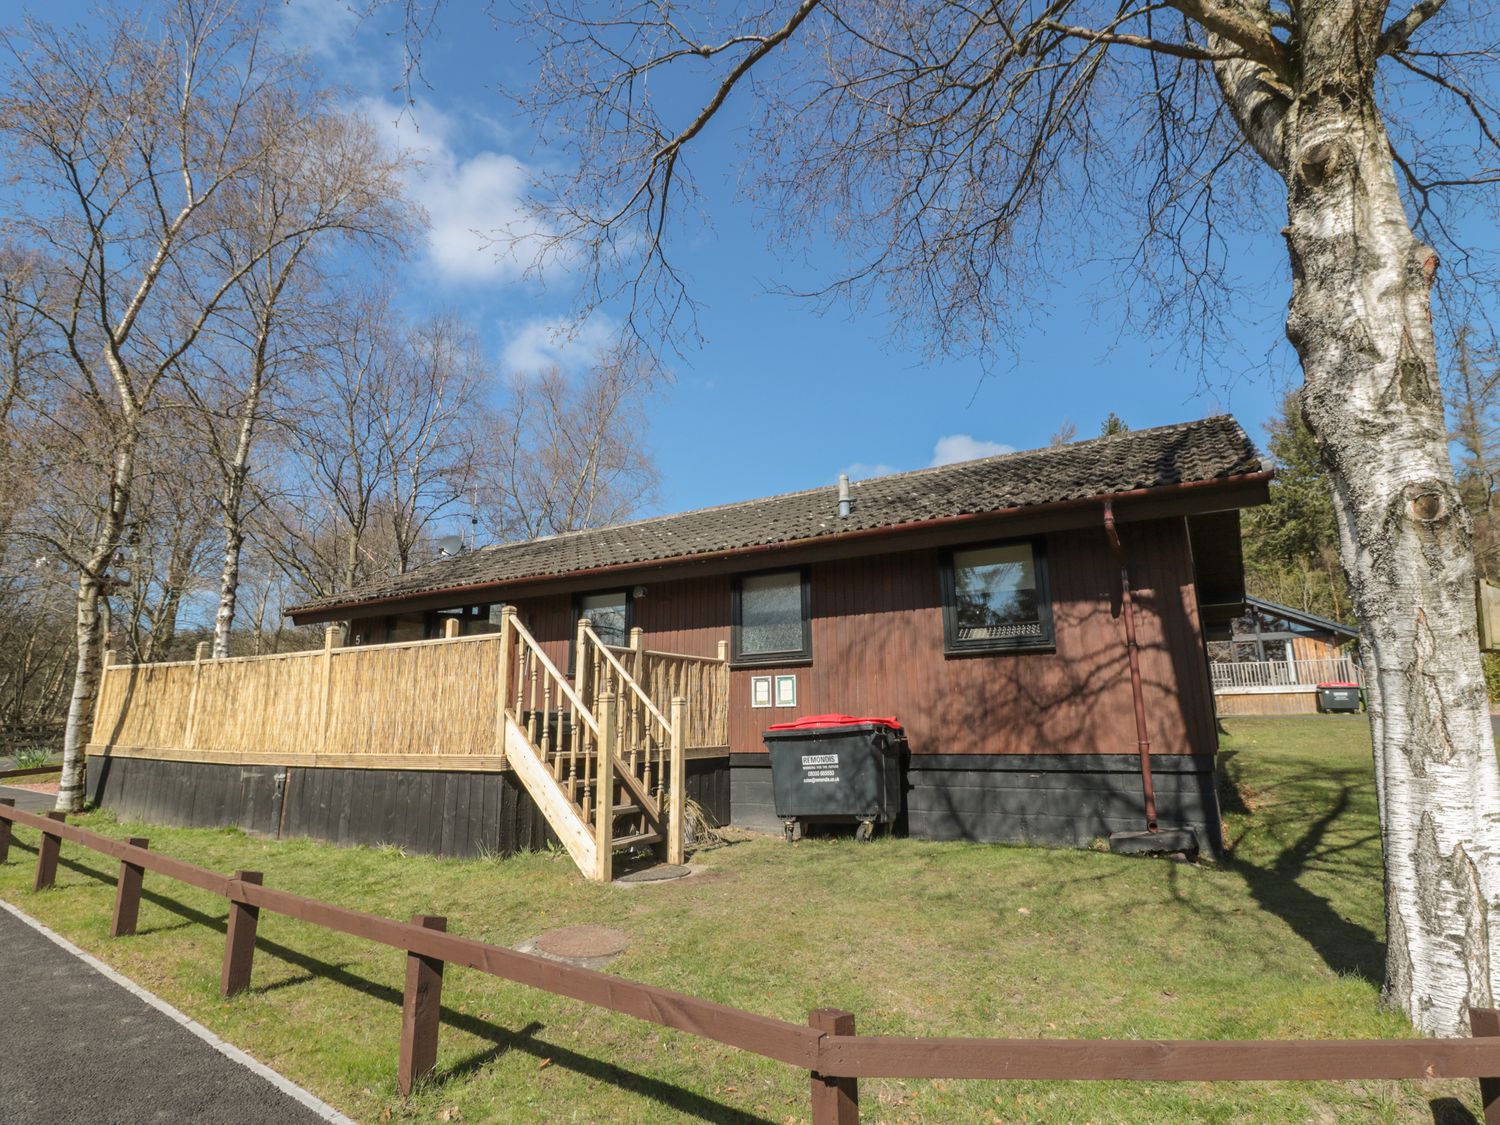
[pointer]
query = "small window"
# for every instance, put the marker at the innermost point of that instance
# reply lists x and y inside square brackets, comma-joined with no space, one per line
[609,613]
[995,598]
[771,619]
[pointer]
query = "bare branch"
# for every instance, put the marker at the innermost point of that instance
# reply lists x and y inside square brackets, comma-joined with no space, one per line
[1398,34]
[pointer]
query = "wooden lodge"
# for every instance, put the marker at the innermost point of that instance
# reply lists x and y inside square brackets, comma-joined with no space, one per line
[582,687]
[1271,659]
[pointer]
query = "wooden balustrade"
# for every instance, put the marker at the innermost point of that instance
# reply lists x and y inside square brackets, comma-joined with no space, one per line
[1229,676]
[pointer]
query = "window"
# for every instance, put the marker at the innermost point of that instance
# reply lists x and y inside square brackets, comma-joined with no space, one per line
[771,620]
[610,614]
[995,598]
[472,619]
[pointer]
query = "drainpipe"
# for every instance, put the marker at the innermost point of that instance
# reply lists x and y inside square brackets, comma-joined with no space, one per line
[1127,607]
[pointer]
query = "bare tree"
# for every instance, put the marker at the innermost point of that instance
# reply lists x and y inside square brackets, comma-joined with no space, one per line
[379,446]
[327,183]
[125,141]
[961,151]
[565,453]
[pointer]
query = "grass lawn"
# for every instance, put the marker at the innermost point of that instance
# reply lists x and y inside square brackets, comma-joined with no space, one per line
[1282,940]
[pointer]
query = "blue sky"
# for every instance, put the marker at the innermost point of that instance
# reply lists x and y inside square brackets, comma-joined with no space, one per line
[777,397]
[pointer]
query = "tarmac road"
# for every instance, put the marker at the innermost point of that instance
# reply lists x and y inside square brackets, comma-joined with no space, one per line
[75,1047]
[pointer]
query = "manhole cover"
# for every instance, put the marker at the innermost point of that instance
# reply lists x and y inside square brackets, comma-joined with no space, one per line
[583,942]
[655,873]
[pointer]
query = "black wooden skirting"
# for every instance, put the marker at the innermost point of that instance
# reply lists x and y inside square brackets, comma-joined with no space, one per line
[433,812]
[1066,800]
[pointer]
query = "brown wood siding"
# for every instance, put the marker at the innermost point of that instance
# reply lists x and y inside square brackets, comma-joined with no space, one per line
[878,650]
[1321,647]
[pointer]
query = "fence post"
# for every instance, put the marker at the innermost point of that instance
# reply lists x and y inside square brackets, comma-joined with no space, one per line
[678,782]
[835,1101]
[502,675]
[638,649]
[450,628]
[581,660]
[604,791]
[46,855]
[723,652]
[128,893]
[326,670]
[1485,1023]
[191,725]
[239,940]
[420,1008]
[9,802]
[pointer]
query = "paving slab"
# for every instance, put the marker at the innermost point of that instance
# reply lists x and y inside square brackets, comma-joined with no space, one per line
[81,1049]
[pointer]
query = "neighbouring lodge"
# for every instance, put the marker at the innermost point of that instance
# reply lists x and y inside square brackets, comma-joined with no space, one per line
[987,605]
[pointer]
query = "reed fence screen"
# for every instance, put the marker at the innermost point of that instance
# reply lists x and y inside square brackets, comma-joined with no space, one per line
[371,704]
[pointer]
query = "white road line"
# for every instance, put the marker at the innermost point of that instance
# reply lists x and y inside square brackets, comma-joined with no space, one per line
[287,1087]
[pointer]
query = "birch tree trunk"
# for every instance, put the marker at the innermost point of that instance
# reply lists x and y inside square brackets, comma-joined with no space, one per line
[1360,318]
[233,521]
[89,638]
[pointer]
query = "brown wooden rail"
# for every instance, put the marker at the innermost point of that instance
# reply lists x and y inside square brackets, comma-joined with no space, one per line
[827,1047]
[29,771]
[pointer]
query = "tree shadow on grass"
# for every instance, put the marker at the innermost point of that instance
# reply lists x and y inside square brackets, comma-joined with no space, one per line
[503,1039]
[1451,1111]
[1345,945]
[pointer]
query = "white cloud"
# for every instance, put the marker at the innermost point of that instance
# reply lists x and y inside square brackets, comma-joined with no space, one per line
[472,202]
[861,471]
[963,447]
[321,27]
[540,343]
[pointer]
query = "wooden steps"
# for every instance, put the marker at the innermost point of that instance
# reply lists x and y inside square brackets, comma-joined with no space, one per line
[639,840]
[594,756]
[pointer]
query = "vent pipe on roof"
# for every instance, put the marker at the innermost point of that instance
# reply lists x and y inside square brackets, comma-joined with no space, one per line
[846,505]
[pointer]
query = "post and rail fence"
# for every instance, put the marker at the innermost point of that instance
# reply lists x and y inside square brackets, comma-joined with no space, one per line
[828,1048]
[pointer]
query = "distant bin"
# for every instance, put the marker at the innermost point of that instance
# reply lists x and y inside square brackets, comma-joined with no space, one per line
[1338,697]
[833,768]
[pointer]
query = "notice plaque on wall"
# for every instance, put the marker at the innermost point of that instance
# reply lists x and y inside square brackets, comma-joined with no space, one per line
[760,691]
[786,691]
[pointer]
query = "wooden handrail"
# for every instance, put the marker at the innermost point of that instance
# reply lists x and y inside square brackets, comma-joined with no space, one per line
[585,629]
[562,681]
[29,771]
[828,1047]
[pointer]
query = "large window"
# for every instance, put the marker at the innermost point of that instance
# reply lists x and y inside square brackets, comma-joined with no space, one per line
[995,598]
[771,620]
[609,613]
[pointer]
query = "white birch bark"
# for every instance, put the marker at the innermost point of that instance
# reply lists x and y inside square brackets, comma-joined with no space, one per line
[1360,319]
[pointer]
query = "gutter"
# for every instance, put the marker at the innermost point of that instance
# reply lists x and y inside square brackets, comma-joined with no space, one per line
[1127,609]
[509,584]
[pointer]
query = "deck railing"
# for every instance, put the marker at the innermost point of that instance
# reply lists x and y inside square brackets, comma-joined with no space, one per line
[368,705]
[702,680]
[1284,673]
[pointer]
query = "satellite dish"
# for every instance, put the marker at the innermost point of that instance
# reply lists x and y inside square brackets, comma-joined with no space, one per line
[450,544]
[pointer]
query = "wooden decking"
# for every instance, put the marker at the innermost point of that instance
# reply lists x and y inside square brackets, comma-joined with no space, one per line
[601,756]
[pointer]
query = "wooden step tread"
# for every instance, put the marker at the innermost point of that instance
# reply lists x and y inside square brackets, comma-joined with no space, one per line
[636,841]
[624,810]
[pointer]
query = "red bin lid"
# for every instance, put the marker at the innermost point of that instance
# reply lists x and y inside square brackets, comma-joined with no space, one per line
[813,722]
[1338,685]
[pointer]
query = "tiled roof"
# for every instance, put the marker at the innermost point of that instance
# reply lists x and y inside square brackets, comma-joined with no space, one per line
[1213,449]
